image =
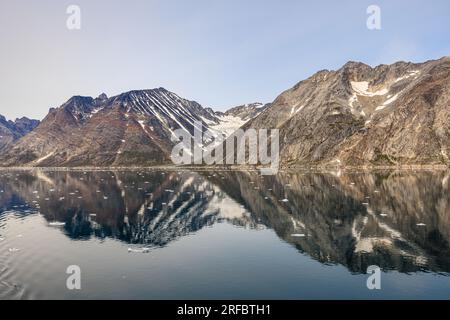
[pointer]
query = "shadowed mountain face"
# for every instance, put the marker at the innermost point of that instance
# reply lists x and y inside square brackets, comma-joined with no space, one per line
[398,221]
[11,131]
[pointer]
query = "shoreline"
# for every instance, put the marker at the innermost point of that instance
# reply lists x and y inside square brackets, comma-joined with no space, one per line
[289,169]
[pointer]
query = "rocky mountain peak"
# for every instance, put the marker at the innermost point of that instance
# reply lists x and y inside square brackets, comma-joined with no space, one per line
[102,97]
[247,111]
[2,119]
[25,125]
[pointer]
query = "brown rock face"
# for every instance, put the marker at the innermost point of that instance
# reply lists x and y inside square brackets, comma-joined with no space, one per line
[358,115]
[131,129]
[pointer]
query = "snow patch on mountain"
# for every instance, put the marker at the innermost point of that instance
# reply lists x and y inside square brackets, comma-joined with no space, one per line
[362,88]
[387,102]
[228,125]
[409,75]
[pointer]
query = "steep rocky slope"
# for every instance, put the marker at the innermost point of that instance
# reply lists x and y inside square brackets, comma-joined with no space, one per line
[359,115]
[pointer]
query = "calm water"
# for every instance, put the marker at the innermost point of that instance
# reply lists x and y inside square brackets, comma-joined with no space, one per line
[231,235]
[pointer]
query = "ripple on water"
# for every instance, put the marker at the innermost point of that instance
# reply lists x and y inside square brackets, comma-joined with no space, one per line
[26,262]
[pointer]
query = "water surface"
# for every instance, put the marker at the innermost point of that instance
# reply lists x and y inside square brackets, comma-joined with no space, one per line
[224,235]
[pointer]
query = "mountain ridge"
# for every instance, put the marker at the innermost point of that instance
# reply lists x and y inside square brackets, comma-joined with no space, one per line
[133,128]
[357,115]
[11,131]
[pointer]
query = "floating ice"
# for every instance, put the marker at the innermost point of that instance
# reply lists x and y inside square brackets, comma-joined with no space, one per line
[57,224]
[298,235]
[421,224]
[284,200]
[140,250]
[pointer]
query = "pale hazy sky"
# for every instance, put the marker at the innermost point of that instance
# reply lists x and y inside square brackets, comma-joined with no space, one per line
[218,52]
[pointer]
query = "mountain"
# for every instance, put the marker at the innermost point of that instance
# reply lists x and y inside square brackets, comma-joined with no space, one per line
[359,115]
[133,128]
[236,117]
[130,129]
[11,131]
[245,111]
[356,116]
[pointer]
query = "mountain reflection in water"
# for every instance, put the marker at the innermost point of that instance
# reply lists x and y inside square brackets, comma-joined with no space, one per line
[399,221]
